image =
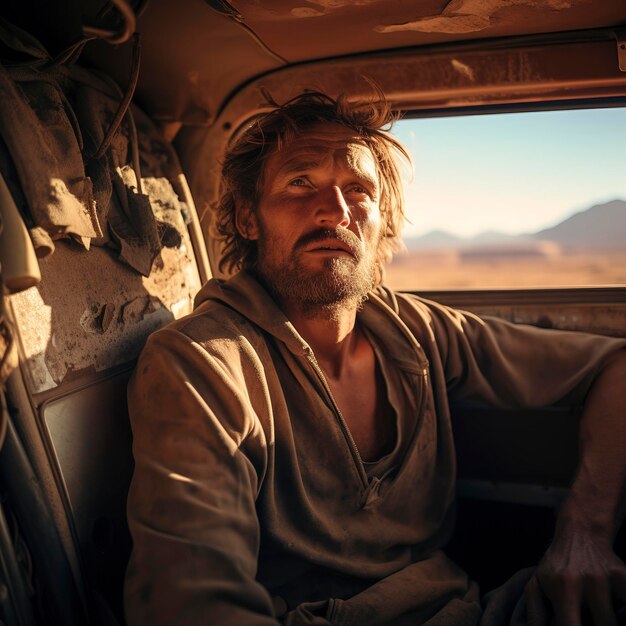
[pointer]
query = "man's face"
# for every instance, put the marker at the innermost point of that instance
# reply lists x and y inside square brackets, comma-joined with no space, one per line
[317,223]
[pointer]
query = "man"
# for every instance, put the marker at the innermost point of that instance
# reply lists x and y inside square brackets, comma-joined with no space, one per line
[294,457]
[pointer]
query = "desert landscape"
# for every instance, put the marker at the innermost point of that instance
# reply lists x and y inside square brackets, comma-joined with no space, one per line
[587,249]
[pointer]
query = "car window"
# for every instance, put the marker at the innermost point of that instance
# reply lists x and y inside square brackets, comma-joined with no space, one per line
[514,200]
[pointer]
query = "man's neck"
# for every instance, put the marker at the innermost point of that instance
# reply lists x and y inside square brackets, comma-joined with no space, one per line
[330,333]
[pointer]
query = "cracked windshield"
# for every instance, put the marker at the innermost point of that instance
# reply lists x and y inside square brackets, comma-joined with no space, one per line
[514,200]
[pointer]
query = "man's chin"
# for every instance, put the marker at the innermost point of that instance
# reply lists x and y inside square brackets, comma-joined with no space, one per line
[322,263]
[338,282]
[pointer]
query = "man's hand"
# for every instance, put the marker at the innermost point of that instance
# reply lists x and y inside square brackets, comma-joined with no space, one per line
[579,574]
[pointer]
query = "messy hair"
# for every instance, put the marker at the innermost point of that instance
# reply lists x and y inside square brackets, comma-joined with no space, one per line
[243,166]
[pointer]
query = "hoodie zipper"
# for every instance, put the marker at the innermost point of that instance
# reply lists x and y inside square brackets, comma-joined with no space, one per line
[358,461]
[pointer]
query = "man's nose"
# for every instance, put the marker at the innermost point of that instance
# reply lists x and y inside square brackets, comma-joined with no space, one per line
[333,210]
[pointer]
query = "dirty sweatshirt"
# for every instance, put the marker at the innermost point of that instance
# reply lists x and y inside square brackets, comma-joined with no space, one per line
[250,504]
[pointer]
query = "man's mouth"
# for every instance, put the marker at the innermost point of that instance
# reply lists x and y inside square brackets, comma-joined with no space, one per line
[331,246]
[330,242]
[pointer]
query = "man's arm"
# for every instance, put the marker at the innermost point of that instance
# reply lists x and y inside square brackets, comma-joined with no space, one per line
[198,454]
[580,568]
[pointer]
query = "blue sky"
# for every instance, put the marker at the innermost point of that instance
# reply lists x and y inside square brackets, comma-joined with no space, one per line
[514,172]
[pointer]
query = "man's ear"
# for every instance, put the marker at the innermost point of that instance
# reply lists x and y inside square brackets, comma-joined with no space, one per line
[246,222]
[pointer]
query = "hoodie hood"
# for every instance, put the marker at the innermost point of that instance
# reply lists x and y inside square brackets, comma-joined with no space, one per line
[244,294]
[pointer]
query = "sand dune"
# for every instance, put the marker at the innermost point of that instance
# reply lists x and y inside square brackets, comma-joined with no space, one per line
[447,269]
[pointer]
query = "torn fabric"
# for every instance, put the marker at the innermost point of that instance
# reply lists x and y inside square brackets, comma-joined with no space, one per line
[46,153]
[52,123]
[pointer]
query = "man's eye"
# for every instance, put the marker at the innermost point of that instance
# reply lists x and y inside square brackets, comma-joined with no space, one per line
[298,182]
[359,189]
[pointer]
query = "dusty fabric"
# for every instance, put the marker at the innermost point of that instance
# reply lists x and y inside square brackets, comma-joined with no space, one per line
[250,506]
[135,229]
[8,348]
[52,121]
[46,153]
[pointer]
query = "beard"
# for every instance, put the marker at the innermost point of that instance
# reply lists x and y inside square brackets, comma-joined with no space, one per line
[340,282]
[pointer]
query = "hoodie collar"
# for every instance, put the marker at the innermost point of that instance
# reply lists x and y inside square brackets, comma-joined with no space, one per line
[244,294]
[247,296]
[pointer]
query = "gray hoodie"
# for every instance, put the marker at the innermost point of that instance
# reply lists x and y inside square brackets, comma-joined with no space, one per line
[250,504]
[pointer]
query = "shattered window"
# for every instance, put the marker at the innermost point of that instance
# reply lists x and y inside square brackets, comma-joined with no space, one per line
[517,200]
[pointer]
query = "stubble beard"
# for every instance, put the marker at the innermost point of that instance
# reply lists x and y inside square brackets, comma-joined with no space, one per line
[341,283]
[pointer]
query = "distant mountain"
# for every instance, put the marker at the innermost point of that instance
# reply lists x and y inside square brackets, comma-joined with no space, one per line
[494,237]
[601,226]
[434,239]
[443,239]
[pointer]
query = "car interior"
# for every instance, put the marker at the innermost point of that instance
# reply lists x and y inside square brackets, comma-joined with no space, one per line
[114,118]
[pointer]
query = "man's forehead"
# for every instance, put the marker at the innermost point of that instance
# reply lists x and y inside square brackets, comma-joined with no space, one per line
[320,142]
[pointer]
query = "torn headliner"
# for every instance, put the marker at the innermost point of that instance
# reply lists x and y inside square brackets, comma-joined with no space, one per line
[195,58]
[323,28]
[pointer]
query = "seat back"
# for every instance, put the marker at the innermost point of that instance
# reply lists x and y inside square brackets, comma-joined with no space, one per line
[80,331]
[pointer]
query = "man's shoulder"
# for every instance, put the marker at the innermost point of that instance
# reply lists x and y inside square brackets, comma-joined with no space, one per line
[413,305]
[210,323]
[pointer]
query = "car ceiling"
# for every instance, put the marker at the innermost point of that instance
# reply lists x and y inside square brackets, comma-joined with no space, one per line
[195,54]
